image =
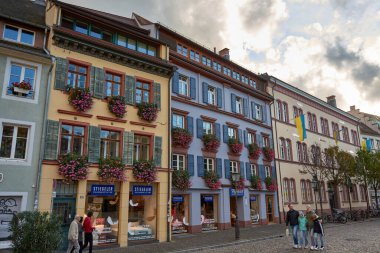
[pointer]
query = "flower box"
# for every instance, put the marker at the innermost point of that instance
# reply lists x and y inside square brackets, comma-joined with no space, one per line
[116,105]
[181,180]
[147,111]
[80,99]
[73,167]
[256,182]
[112,170]
[254,151]
[144,171]
[235,146]
[239,185]
[212,180]
[211,142]
[270,185]
[268,154]
[181,137]
[19,90]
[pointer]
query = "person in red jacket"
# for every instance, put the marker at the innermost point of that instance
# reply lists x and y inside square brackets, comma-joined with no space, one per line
[88,228]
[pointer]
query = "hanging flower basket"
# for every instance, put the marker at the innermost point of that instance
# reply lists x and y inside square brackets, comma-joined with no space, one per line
[181,137]
[116,105]
[268,154]
[112,170]
[73,167]
[21,87]
[211,142]
[235,146]
[256,182]
[270,185]
[80,99]
[212,180]
[147,111]
[254,151]
[239,185]
[181,180]
[144,171]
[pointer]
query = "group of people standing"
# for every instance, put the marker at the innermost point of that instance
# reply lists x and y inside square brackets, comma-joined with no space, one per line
[308,225]
[76,231]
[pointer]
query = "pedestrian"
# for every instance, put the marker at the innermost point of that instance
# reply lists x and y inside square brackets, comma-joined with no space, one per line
[318,233]
[73,235]
[88,228]
[292,220]
[80,235]
[310,224]
[302,223]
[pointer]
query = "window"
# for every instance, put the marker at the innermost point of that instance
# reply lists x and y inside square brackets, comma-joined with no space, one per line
[304,153]
[378,144]
[251,138]
[209,164]
[239,105]
[323,191]
[81,27]
[285,186]
[208,62]
[253,169]
[113,84]
[303,191]
[109,144]
[19,73]
[182,49]
[325,126]
[96,32]
[151,50]
[282,148]
[259,113]
[208,127]
[234,167]
[142,148]
[266,141]
[227,71]
[178,162]
[211,96]
[194,55]
[178,121]
[18,35]
[14,141]
[183,86]
[297,112]
[278,110]
[285,112]
[142,92]
[141,47]
[132,44]
[232,133]
[299,151]
[309,118]
[309,191]
[336,132]
[268,172]
[344,193]
[363,193]
[238,76]
[77,76]
[354,193]
[217,66]
[204,60]
[288,148]
[121,41]
[292,190]
[314,123]
[234,74]
[289,190]
[72,139]
[346,136]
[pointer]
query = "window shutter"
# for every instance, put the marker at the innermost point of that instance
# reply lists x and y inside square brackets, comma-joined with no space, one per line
[264,113]
[273,172]
[245,138]
[219,167]
[204,92]
[190,125]
[242,173]
[129,140]
[130,87]
[193,88]
[227,170]
[219,95]
[248,171]
[259,139]
[97,82]
[261,172]
[245,107]
[94,144]
[51,140]
[217,131]
[157,95]
[61,66]
[200,164]
[233,102]
[175,83]
[190,165]
[225,134]
[157,150]
[253,110]
[240,135]
[271,143]
[199,128]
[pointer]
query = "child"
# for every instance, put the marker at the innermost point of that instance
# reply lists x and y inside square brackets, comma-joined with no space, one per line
[303,230]
[318,232]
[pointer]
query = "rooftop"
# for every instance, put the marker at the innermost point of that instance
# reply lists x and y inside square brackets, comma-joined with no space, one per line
[25,11]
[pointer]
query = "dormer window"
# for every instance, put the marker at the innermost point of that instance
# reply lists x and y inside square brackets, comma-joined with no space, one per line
[18,35]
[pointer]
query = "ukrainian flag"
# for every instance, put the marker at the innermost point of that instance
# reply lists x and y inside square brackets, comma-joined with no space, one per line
[300,124]
[364,145]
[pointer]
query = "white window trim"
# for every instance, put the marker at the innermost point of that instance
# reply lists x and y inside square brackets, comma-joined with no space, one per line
[239,105]
[231,167]
[184,161]
[253,169]
[29,144]
[37,80]
[211,91]
[183,120]
[184,83]
[268,173]
[19,35]
[209,161]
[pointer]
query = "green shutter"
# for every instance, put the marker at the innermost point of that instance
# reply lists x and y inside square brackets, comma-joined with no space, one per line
[130,86]
[94,144]
[157,150]
[61,66]
[51,140]
[128,148]
[97,82]
[157,95]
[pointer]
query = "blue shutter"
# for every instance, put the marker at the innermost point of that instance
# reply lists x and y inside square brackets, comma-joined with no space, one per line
[253,110]
[264,112]
[273,172]
[248,171]
[193,88]
[245,138]
[271,142]
[242,174]
[190,164]
[130,90]
[204,92]
[233,102]
[190,125]
[240,135]
[245,107]
[219,167]
[219,95]
[227,170]
[259,139]
[217,131]
[61,66]
[157,95]
[175,82]
[225,134]
[97,78]
[94,144]
[200,164]
[199,128]
[261,172]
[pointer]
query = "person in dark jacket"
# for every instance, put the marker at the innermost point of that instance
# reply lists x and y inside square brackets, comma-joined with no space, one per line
[292,220]
[88,228]
[318,233]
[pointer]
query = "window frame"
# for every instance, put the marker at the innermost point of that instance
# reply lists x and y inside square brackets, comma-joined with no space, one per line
[179,115]
[122,81]
[207,162]
[239,105]
[259,111]
[211,91]
[268,171]
[251,137]
[120,141]
[144,81]
[211,124]
[14,141]
[279,114]
[177,168]
[232,166]
[19,33]
[184,82]
[151,143]
[253,168]
[85,136]
[288,150]
[81,64]
[282,148]
[235,132]
[285,111]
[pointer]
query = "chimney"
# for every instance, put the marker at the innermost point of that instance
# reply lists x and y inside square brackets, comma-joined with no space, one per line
[225,53]
[331,100]
[353,109]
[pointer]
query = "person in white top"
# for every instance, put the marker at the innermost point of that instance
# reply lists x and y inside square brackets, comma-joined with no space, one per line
[73,235]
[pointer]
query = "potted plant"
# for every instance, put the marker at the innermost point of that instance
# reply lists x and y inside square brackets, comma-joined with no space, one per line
[112,170]
[116,105]
[21,87]
[80,99]
[181,180]
[147,111]
[254,151]
[211,142]
[144,171]
[256,182]
[235,146]
[212,180]
[270,185]
[73,167]
[268,153]
[239,185]
[181,137]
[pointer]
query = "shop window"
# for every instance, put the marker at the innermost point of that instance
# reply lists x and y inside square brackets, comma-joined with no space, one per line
[142,148]
[10,206]
[142,92]
[183,85]
[180,214]
[18,35]
[113,84]
[77,75]
[14,140]
[178,162]
[209,164]
[254,208]
[234,167]
[208,127]
[109,144]
[178,121]
[209,212]
[72,139]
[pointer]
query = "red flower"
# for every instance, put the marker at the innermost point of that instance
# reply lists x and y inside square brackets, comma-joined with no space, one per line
[254,151]
[181,180]
[239,185]
[22,85]
[235,146]
[212,180]
[268,153]
[80,99]
[147,111]
[211,142]
[181,137]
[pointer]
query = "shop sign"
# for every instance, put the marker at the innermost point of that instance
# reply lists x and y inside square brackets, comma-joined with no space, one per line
[142,190]
[253,198]
[177,199]
[208,199]
[240,193]
[102,190]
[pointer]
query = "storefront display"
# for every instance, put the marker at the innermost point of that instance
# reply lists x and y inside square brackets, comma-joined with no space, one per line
[9,206]
[209,212]
[142,212]
[180,214]
[254,209]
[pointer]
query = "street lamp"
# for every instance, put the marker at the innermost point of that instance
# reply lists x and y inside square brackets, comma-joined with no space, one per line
[315,185]
[235,179]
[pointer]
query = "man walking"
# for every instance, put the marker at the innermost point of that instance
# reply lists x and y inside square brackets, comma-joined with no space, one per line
[73,235]
[292,220]
[310,224]
[88,228]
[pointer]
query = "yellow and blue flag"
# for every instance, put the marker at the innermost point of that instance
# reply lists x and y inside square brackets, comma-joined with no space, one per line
[300,124]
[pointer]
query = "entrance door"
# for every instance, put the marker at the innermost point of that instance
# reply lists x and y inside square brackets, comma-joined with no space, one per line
[270,211]
[233,210]
[65,207]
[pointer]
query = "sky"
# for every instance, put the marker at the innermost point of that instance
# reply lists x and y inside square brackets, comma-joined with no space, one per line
[324,47]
